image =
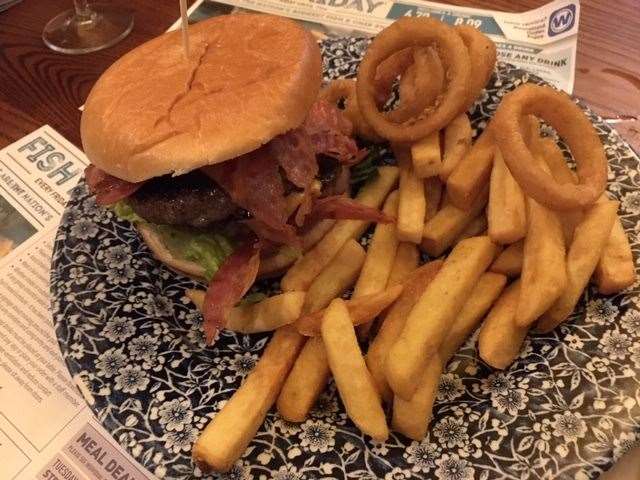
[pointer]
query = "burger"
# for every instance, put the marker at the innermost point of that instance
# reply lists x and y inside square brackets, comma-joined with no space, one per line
[222,159]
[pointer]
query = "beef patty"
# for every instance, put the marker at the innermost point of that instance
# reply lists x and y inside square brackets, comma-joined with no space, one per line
[192,199]
[195,200]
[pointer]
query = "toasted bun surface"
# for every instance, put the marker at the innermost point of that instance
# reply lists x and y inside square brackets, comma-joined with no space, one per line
[249,78]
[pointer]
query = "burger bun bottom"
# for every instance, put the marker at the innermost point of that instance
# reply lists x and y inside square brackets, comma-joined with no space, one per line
[273,265]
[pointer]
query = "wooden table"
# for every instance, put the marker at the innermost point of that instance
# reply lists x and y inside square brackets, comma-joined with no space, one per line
[39,86]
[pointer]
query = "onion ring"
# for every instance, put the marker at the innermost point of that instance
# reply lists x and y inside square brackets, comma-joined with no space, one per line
[388,71]
[557,109]
[422,78]
[420,85]
[530,128]
[482,52]
[399,35]
[336,90]
[343,89]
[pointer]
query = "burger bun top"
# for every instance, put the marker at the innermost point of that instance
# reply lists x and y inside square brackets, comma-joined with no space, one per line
[249,78]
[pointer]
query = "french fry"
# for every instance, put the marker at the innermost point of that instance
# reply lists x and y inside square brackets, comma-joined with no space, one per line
[411,418]
[489,287]
[615,270]
[380,254]
[394,321]
[339,275]
[506,211]
[426,156]
[354,382]
[305,382]
[543,272]
[433,194]
[500,338]
[426,326]
[316,233]
[442,230]
[411,203]
[457,141]
[477,226]
[406,261]
[472,173]
[276,264]
[310,373]
[267,315]
[361,310]
[379,260]
[548,150]
[302,273]
[509,262]
[264,316]
[589,239]
[226,437]
[543,264]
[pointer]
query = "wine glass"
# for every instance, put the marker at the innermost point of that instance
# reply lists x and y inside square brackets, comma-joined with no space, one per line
[87,28]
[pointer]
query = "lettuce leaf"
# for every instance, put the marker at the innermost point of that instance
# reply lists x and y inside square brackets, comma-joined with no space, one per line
[367,169]
[206,248]
[124,212]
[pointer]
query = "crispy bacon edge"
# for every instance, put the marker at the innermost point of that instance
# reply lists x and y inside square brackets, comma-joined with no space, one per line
[228,285]
[340,207]
[107,188]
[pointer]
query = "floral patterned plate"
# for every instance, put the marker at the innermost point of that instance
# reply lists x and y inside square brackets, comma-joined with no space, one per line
[567,408]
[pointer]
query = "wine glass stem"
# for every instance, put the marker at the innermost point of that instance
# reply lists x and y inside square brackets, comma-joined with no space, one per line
[83,12]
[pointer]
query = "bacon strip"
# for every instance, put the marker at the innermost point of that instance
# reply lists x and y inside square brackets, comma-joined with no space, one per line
[229,284]
[340,147]
[107,188]
[285,235]
[329,131]
[326,130]
[296,156]
[326,116]
[344,208]
[254,183]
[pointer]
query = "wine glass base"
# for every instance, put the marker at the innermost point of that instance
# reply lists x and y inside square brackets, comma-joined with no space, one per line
[68,33]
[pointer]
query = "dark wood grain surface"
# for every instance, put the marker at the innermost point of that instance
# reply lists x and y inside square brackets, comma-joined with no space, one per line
[39,86]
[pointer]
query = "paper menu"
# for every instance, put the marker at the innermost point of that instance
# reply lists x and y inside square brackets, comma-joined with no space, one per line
[47,430]
[542,41]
